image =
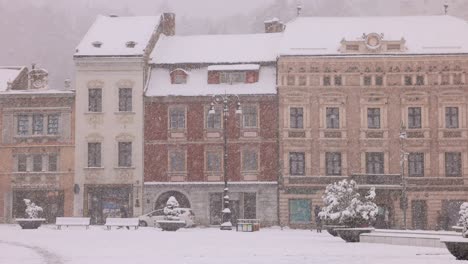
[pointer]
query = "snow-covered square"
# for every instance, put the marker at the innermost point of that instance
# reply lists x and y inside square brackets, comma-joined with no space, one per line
[199,245]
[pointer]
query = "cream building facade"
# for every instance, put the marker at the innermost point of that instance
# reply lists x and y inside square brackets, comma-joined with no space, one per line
[354,105]
[111,72]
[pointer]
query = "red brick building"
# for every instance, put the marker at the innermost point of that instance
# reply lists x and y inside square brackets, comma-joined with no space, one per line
[184,143]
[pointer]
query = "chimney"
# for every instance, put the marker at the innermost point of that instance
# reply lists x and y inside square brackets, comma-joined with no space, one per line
[274,26]
[168,24]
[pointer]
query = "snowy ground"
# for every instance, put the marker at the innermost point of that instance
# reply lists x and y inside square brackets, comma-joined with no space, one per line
[199,246]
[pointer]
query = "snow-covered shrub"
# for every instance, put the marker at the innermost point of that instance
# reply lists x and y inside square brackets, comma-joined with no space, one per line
[464,219]
[345,206]
[32,210]
[170,210]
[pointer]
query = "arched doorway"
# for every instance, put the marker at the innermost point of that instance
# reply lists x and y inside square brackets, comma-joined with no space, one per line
[181,198]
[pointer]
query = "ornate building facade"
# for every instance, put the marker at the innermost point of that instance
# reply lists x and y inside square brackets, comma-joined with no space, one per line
[36,144]
[373,107]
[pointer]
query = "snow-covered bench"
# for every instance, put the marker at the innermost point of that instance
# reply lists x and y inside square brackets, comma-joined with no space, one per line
[128,222]
[72,221]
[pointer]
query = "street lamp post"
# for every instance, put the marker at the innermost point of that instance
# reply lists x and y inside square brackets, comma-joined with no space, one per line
[403,157]
[225,100]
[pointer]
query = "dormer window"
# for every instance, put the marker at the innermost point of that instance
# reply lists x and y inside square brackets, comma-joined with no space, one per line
[233,74]
[130,44]
[179,76]
[97,44]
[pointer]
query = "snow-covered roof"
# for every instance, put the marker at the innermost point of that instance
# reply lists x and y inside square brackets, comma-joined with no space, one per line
[37,92]
[8,74]
[234,67]
[423,34]
[245,48]
[197,84]
[115,32]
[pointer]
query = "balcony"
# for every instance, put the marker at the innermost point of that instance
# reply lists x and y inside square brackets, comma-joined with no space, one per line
[379,181]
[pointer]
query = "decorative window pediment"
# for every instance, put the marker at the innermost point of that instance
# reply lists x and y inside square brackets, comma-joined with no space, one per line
[372,43]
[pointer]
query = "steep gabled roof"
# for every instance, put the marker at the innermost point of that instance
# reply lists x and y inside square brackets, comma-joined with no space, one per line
[423,34]
[113,33]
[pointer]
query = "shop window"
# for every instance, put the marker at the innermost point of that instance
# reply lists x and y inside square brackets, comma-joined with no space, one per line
[300,211]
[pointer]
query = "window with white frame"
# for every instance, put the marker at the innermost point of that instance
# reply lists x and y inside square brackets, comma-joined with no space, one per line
[95,100]
[333,117]
[125,154]
[453,164]
[53,124]
[94,154]
[125,99]
[375,162]
[249,116]
[416,164]
[296,117]
[213,161]
[373,118]
[333,163]
[250,160]
[22,162]
[38,124]
[23,125]
[414,117]
[177,161]
[177,117]
[213,120]
[37,162]
[451,117]
[297,163]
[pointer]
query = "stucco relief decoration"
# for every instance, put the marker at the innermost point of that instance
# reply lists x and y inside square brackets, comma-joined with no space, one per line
[38,78]
[94,174]
[373,41]
[125,84]
[125,174]
[125,137]
[94,84]
[94,137]
[95,119]
[125,118]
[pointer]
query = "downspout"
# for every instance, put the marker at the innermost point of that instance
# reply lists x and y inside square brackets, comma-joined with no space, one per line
[278,155]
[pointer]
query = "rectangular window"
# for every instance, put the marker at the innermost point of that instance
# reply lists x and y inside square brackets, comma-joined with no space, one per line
[451,117]
[125,154]
[373,118]
[296,117]
[23,125]
[300,211]
[374,163]
[232,77]
[177,161]
[453,164]
[338,81]
[95,100]
[53,124]
[302,80]
[213,120]
[408,80]
[37,163]
[326,81]
[177,118]
[445,79]
[378,80]
[297,163]
[414,117]
[125,99]
[416,164]
[457,78]
[333,117]
[53,162]
[94,155]
[367,80]
[38,124]
[22,163]
[249,116]
[333,163]
[420,80]
[249,160]
[213,161]
[291,80]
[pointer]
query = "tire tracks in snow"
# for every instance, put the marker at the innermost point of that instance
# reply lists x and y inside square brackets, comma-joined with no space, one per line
[47,256]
